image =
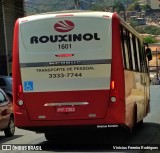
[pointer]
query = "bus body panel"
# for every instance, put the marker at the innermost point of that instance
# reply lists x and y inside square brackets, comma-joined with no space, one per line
[134,93]
[75,111]
[136,79]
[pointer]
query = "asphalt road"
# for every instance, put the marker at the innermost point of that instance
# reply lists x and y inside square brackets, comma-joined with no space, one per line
[98,140]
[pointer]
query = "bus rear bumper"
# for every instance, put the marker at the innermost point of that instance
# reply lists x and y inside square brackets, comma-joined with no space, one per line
[40,126]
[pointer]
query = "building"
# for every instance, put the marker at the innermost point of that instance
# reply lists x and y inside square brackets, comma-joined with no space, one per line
[155,4]
[10,10]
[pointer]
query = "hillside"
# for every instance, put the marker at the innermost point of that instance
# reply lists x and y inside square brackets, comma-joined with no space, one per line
[40,6]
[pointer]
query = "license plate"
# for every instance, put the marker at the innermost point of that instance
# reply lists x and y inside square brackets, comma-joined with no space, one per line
[65,109]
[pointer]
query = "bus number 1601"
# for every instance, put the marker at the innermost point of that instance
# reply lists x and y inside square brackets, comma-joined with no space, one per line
[64,46]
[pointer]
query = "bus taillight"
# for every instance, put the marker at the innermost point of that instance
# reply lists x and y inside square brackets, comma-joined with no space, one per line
[112,85]
[63,15]
[113,93]
[19,90]
[64,55]
[20,99]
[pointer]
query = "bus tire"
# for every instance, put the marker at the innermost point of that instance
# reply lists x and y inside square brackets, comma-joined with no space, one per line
[49,136]
[135,115]
[134,124]
[9,131]
[140,123]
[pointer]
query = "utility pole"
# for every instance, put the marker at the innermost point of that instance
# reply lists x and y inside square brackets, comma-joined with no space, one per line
[77,2]
[157,71]
[5,36]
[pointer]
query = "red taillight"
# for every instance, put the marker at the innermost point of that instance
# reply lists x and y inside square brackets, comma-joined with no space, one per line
[112,85]
[24,21]
[19,90]
[64,15]
[20,102]
[113,93]
[64,55]
[105,16]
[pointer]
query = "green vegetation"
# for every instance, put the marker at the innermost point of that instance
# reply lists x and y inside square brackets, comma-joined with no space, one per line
[134,7]
[150,39]
[118,7]
[153,30]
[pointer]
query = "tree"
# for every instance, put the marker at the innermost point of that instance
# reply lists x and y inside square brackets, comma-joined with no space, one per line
[137,6]
[150,40]
[134,6]
[97,8]
[119,7]
[77,3]
[153,30]
[147,9]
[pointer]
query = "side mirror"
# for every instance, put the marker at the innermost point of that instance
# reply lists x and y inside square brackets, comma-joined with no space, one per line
[149,54]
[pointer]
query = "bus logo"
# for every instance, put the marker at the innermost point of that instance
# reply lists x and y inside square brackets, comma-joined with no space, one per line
[64,26]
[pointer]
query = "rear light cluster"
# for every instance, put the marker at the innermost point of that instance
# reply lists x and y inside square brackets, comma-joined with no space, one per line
[20,98]
[64,55]
[64,15]
[113,99]
[20,102]
[113,93]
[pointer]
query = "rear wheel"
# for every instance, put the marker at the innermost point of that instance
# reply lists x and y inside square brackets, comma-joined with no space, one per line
[135,116]
[140,123]
[49,136]
[56,137]
[134,123]
[9,131]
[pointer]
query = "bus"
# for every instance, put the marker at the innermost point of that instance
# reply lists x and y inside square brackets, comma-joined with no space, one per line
[78,69]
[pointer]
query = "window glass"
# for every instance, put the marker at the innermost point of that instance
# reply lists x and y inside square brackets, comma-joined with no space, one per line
[123,48]
[141,57]
[126,53]
[132,51]
[129,50]
[144,59]
[135,52]
[138,58]
[2,97]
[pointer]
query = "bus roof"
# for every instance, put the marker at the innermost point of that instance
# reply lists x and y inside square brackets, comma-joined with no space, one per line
[69,13]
